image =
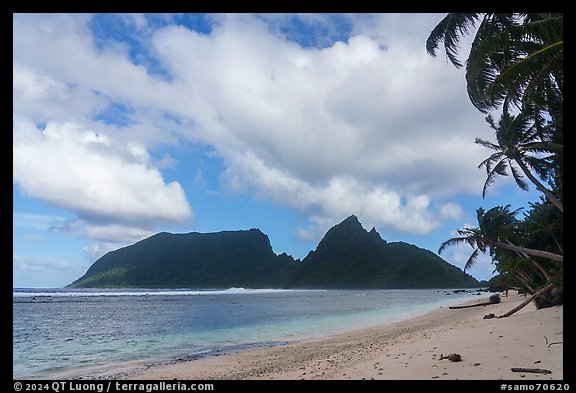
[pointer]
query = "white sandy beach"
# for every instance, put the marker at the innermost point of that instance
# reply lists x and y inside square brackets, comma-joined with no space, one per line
[408,350]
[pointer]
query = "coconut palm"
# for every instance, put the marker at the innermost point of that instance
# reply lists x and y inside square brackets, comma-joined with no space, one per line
[494,234]
[517,141]
[515,58]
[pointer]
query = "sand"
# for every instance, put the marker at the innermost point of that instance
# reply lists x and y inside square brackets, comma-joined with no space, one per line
[407,350]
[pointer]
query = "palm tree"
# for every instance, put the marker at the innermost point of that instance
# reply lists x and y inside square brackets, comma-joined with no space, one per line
[495,229]
[517,137]
[515,58]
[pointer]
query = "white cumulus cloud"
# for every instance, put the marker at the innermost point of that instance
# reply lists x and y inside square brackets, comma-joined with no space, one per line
[79,169]
[370,125]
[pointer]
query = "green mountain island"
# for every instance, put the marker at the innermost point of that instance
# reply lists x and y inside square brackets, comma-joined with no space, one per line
[348,257]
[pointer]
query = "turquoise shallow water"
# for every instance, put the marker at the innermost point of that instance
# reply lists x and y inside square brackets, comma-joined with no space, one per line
[61,329]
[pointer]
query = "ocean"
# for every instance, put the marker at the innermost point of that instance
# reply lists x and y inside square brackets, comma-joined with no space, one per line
[58,330]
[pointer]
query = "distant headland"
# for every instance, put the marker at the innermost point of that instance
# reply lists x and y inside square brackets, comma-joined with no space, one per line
[348,257]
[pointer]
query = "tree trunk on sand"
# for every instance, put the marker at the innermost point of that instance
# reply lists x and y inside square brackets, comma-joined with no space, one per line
[470,305]
[527,301]
[494,299]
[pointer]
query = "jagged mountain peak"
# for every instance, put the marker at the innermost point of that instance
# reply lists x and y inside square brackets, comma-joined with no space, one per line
[349,234]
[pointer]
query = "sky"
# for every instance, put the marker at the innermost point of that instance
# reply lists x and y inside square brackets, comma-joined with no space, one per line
[125,125]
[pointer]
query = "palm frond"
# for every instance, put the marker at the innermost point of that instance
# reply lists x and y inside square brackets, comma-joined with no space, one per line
[499,169]
[471,260]
[519,81]
[490,49]
[522,129]
[549,28]
[539,165]
[491,161]
[497,223]
[536,114]
[511,59]
[450,30]
[490,120]
[539,147]
[452,242]
[519,178]
[480,213]
[487,144]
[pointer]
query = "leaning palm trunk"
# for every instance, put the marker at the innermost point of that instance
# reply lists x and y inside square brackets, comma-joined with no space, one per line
[540,268]
[536,264]
[530,251]
[524,279]
[557,243]
[527,301]
[540,186]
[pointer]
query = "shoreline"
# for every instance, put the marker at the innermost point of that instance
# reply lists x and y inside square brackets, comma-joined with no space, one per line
[403,350]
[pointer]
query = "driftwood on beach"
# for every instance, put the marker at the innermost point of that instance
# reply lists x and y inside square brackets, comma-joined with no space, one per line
[470,305]
[494,299]
[531,370]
